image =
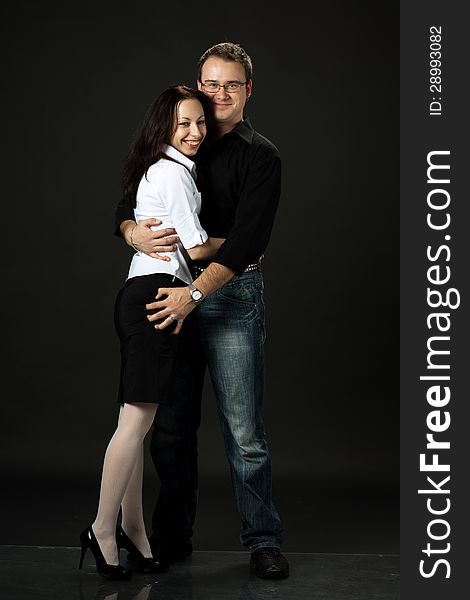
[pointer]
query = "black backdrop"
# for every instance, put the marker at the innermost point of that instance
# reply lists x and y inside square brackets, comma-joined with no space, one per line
[77,81]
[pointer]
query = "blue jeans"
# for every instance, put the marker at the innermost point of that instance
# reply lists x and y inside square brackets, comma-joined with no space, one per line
[231,336]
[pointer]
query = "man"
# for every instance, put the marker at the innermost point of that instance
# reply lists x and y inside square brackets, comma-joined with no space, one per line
[242,183]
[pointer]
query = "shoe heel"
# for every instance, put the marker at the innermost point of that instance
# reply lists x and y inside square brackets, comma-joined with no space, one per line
[82,556]
[114,572]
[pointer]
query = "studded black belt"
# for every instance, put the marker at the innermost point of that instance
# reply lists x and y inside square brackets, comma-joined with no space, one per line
[196,270]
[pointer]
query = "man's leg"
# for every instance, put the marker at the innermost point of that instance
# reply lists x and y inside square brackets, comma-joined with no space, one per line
[173,447]
[232,332]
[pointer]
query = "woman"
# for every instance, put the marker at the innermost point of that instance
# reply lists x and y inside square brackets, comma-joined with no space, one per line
[160,172]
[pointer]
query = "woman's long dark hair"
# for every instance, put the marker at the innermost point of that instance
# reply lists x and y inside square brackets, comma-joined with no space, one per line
[156,130]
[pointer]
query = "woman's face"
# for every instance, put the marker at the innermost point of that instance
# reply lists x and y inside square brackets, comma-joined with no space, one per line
[190,127]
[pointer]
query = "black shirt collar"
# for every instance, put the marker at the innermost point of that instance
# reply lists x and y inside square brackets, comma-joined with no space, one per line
[245,130]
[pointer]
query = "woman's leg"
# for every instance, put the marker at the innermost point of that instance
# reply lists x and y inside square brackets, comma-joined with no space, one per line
[132,513]
[119,468]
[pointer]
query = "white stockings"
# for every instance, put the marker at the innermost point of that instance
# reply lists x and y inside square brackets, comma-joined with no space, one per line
[121,482]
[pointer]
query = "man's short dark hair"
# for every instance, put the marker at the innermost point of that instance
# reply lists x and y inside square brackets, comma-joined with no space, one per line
[231,52]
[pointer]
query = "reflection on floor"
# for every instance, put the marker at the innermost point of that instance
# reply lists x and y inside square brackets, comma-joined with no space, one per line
[49,573]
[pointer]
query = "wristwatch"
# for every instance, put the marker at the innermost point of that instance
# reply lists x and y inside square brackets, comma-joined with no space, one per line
[195,294]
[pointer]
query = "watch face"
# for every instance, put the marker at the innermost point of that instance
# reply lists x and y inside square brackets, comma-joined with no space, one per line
[196,294]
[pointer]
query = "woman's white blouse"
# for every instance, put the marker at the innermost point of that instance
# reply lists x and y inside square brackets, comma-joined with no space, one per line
[169,193]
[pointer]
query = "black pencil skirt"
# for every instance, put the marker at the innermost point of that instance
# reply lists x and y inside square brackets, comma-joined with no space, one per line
[147,354]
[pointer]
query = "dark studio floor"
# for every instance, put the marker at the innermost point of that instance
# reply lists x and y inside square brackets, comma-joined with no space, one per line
[34,573]
[341,544]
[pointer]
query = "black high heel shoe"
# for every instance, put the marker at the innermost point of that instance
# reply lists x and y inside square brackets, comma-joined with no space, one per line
[88,540]
[135,556]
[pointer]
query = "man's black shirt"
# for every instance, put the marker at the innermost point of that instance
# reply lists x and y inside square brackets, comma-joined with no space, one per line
[240,181]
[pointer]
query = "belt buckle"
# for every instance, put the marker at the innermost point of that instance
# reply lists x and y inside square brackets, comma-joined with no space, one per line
[252,267]
[197,269]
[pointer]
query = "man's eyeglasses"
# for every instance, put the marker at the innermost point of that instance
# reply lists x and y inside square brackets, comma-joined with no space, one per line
[213,87]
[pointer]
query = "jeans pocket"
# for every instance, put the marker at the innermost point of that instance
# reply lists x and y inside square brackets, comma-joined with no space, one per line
[239,291]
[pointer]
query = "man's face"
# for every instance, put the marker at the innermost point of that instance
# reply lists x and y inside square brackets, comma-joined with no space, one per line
[228,106]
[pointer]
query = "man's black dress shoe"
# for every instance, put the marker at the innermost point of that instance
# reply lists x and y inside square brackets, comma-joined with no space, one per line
[170,554]
[269,563]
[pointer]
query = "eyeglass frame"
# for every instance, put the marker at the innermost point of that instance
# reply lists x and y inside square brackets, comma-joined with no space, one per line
[224,85]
